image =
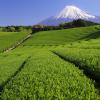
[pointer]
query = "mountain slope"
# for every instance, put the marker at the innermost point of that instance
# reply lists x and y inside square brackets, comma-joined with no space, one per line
[70,13]
[74,12]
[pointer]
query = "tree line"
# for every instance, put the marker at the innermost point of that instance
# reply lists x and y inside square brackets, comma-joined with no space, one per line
[15,28]
[73,24]
[36,28]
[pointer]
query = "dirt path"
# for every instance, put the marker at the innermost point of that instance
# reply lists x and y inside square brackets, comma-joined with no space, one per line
[18,43]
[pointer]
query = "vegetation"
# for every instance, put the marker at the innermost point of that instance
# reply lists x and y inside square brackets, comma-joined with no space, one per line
[86,44]
[51,65]
[16,29]
[7,39]
[9,64]
[58,37]
[77,23]
[73,24]
[46,76]
[87,59]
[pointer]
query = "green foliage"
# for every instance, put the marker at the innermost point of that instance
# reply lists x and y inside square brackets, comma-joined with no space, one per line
[87,59]
[86,44]
[63,36]
[9,64]
[7,39]
[77,23]
[46,76]
[73,24]
[16,29]
[37,28]
[33,72]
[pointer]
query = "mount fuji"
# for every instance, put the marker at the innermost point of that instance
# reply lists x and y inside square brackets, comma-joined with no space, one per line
[68,14]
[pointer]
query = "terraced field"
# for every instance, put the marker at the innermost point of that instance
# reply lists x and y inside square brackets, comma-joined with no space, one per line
[64,36]
[87,59]
[53,65]
[90,44]
[8,39]
[46,76]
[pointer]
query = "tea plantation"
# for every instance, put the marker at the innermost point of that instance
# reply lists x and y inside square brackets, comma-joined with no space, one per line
[51,65]
[8,39]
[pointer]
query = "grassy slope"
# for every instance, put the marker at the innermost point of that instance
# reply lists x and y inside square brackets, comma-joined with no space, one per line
[90,44]
[64,36]
[9,64]
[45,59]
[87,59]
[46,76]
[8,39]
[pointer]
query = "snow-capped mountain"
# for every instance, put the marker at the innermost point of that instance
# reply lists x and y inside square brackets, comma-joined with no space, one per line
[70,13]
[73,12]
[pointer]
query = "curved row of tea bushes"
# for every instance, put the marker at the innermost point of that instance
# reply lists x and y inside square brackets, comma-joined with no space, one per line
[87,59]
[47,77]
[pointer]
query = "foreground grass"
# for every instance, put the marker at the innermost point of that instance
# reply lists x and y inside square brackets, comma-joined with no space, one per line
[9,64]
[46,76]
[32,71]
[87,59]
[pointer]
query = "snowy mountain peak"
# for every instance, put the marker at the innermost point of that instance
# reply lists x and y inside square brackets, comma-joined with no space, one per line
[74,12]
[68,14]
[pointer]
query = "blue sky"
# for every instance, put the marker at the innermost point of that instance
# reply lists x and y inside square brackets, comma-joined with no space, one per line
[29,12]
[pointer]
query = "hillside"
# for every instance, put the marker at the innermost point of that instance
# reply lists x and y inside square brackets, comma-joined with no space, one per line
[64,36]
[52,64]
[68,14]
[8,39]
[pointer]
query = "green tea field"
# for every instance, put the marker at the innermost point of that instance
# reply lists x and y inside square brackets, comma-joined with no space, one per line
[8,39]
[51,65]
